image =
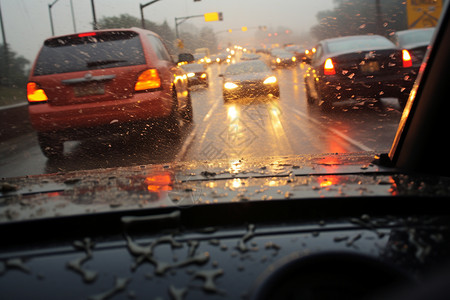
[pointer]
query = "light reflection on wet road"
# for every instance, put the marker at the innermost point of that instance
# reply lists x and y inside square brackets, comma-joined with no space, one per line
[267,126]
[243,128]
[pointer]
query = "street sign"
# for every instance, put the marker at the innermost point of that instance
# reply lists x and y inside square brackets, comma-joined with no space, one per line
[423,13]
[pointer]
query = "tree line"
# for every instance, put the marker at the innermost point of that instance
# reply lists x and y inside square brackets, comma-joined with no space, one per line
[192,37]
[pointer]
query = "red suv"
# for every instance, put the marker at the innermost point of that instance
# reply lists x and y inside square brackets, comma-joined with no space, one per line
[102,82]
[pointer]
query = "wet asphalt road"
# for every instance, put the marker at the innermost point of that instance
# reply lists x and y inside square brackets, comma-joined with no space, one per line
[239,129]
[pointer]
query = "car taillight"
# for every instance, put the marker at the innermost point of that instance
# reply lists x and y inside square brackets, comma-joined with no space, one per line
[148,80]
[407,60]
[87,34]
[35,94]
[328,67]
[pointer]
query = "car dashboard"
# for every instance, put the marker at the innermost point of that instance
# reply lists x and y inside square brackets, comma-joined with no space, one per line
[325,227]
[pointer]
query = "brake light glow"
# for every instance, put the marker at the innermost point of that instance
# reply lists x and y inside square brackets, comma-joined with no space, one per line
[87,34]
[35,94]
[148,80]
[328,67]
[407,60]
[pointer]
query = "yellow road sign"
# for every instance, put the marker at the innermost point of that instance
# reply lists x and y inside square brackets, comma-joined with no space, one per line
[423,13]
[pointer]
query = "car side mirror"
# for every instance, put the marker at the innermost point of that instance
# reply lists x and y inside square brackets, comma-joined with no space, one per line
[185,57]
[220,75]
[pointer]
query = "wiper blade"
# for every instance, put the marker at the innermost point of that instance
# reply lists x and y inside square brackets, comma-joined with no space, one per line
[97,63]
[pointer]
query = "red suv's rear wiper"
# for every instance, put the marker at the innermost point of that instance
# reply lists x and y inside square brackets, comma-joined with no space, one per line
[97,63]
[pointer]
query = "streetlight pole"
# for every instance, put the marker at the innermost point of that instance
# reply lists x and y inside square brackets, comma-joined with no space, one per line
[5,46]
[51,17]
[141,7]
[181,20]
[73,17]
[95,26]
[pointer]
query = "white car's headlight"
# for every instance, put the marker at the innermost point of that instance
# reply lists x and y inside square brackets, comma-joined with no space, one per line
[269,80]
[230,85]
[190,74]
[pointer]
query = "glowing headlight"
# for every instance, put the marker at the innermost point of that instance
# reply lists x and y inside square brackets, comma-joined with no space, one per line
[230,85]
[294,58]
[269,80]
[190,74]
[203,75]
[278,60]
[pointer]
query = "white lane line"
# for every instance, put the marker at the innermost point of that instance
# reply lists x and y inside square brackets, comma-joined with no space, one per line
[335,131]
[183,151]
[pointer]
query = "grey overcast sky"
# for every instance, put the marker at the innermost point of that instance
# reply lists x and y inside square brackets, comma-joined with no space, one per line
[27,22]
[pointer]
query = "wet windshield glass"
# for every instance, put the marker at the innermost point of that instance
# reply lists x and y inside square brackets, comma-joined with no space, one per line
[98,84]
[247,67]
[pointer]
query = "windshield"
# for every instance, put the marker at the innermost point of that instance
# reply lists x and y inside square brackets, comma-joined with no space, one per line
[256,66]
[71,54]
[358,44]
[109,98]
[416,36]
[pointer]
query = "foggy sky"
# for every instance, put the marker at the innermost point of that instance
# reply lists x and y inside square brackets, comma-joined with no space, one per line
[27,22]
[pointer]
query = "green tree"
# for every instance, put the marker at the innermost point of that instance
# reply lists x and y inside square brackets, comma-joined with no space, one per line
[352,17]
[13,68]
[207,39]
[128,21]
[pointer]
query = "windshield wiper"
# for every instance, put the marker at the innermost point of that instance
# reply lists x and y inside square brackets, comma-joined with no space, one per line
[97,63]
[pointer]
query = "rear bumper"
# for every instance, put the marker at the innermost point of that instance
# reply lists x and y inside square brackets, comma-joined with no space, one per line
[141,107]
[376,87]
[196,80]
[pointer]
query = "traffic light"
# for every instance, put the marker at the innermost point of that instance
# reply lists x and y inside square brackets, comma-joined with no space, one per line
[214,16]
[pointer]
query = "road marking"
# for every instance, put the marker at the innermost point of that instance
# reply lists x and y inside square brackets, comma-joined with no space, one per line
[183,151]
[334,131]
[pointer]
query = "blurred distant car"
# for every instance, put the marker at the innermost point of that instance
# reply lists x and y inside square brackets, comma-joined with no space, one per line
[363,66]
[250,56]
[249,78]
[103,82]
[298,51]
[416,41]
[282,58]
[196,74]
[220,58]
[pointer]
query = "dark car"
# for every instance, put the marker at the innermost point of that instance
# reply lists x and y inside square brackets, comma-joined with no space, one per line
[249,78]
[108,79]
[363,66]
[196,74]
[298,51]
[416,41]
[282,58]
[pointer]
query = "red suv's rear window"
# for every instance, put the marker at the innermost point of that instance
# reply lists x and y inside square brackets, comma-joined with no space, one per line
[88,52]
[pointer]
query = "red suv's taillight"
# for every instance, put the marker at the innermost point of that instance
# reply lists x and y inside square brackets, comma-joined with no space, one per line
[407,60]
[148,80]
[35,94]
[328,67]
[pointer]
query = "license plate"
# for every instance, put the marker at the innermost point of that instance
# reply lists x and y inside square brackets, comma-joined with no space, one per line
[370,67]
[89,90]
